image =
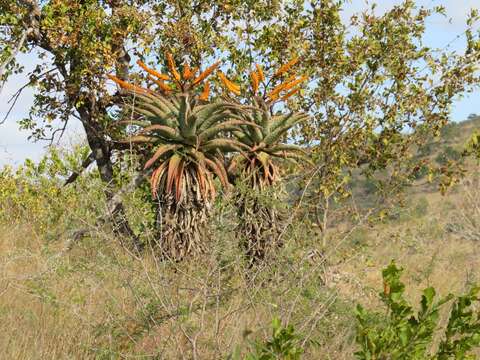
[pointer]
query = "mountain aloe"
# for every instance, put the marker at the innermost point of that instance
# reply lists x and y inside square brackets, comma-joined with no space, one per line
[186,133]
[265,141]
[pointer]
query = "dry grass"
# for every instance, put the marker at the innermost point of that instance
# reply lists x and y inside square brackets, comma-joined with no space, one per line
[99,301]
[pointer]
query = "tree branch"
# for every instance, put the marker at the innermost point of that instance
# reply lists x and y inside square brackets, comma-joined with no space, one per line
[17,94]
[12,56]
[86,163]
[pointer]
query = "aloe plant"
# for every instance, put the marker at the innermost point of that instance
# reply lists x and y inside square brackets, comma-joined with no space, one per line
[187,134]
[264,137]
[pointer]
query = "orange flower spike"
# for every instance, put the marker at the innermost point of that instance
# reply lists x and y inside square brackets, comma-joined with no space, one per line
[127,86]
[187,72]
[161,84]
[277,89]
[172,68]
[289,94]
[255,81]
[292,84]
[285,67]
[273,97]
[205,93]
[261,76]
[234,88]
[152,72]
[205,74]
[118,81]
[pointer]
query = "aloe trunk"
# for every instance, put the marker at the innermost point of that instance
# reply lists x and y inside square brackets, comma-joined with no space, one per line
[259,227]
[182,226]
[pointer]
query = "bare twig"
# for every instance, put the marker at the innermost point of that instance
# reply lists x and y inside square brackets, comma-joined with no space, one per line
[14,98]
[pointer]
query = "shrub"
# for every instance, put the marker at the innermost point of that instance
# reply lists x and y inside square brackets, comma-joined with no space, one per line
[284,344]
[35,191]
[447,155]
[403,333]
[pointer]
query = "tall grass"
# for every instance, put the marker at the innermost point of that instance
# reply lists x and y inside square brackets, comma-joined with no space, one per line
[93,298]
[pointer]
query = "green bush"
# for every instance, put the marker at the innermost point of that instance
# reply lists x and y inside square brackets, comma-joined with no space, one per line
[449,154]
[472,148]
[284,344]
[37,192]
[403,333]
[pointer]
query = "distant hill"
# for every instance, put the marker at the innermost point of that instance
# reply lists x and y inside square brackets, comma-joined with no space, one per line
[439,150]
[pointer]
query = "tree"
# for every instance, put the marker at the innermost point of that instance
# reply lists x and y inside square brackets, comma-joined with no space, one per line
[374,92]
[78,42]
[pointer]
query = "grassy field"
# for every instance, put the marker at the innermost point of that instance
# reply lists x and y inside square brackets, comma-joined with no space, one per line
[95,299]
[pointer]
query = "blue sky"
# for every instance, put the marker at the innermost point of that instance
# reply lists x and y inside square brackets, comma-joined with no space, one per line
[441,31]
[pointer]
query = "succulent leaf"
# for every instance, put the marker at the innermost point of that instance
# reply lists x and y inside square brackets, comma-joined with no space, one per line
[161,150]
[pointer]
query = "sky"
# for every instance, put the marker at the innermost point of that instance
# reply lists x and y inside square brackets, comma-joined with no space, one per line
[441,32]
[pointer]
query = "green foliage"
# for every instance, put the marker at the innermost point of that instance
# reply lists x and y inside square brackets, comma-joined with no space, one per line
[35,192]
[404,333]
[448,154]
[36,189]
[472,147]
[463,329]
[284,344]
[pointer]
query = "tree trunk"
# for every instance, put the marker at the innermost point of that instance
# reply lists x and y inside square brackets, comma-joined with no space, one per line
[102,155]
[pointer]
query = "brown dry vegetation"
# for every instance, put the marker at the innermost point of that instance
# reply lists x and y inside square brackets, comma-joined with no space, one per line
[94,299]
